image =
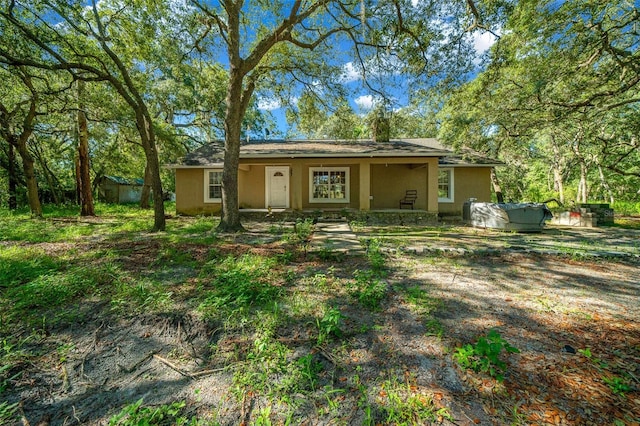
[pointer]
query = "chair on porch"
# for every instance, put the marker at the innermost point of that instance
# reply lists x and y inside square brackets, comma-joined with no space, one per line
[409,198]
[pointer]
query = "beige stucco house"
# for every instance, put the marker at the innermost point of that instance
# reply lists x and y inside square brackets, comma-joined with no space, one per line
[316,175]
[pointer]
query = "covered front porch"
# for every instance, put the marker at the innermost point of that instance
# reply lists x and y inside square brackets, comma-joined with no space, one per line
[363,184]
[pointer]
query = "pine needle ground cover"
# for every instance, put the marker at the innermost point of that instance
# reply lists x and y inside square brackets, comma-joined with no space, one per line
[106,323]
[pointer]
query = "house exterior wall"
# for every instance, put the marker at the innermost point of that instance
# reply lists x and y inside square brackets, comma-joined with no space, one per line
[190,193]
[385,179]
[251,180]
[469,182]
[389,183]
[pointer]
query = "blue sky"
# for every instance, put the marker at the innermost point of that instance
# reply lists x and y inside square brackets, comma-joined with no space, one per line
[362,100]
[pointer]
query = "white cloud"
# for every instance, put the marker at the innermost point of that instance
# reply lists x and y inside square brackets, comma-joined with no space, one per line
[483,41]
[364,101]
[349,73]
[269,104]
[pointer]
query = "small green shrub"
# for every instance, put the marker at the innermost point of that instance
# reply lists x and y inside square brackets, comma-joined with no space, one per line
[329,325]
[485,354]
[618,385]
[369,289]
[374,254]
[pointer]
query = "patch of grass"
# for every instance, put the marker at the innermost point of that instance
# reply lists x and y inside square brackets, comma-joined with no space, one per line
[404,404]
[137,414]
[45,294]
[142,294]
[8,412]
[233,283]
[368,289]
[19,265]
[420,300]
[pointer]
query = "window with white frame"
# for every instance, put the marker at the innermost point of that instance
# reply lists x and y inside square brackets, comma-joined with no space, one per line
[212,186]
[328,184]
[445,186]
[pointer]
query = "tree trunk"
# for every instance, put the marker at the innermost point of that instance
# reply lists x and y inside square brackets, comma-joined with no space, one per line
[605,184]
[496,186]
[145,195]
[558,179]
[13,179]
[30,177]
[148,137]
[230,214]
[583,190]
[83,176]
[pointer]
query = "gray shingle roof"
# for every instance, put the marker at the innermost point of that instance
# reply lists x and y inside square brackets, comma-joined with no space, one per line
[213,153]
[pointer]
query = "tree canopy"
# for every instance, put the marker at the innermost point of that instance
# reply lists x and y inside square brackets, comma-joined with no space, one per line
[556,95]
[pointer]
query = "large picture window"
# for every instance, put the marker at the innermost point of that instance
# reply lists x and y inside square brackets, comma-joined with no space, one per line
[212,186]
[329,184]
[445,186]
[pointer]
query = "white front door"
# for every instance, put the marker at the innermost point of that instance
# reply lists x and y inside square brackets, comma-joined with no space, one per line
[277,187]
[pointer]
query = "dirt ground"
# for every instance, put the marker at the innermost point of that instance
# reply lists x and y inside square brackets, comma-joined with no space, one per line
[575,321]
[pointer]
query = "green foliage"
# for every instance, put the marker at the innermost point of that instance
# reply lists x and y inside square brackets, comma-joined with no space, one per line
[618,385]
[239,283]
[403,406]
[137,414]
[329,325]
[19,265]
[143,294]
[374,254]
[329,254]
[8,412]
[485,354]
[308,370]
[368,288]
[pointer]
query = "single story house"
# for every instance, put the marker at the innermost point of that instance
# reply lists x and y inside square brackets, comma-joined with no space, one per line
[116,189]
[333,175]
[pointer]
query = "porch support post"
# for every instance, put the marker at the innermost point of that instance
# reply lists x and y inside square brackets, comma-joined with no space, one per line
[296,186]
[365,185]
[432,185]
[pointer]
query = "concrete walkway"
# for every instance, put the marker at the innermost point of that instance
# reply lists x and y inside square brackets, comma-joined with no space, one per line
[337,237]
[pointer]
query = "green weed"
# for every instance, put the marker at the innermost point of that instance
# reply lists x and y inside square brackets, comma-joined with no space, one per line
[374,254]
[136,414]
[618,385]
[368,289]
[485,354]
[329,325]
[142,294]
[8,412]
[329,254]
[236,283]
[403,404]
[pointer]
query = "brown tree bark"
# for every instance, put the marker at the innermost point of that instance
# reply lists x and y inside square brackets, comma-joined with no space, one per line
[558,180]
[145,195]
[148,139]
[496,186]
[29,174]
[19,142]
[230,213]
[13,179]
[83,176]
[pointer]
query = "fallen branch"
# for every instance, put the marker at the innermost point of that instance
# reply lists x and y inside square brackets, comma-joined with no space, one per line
[194,375]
